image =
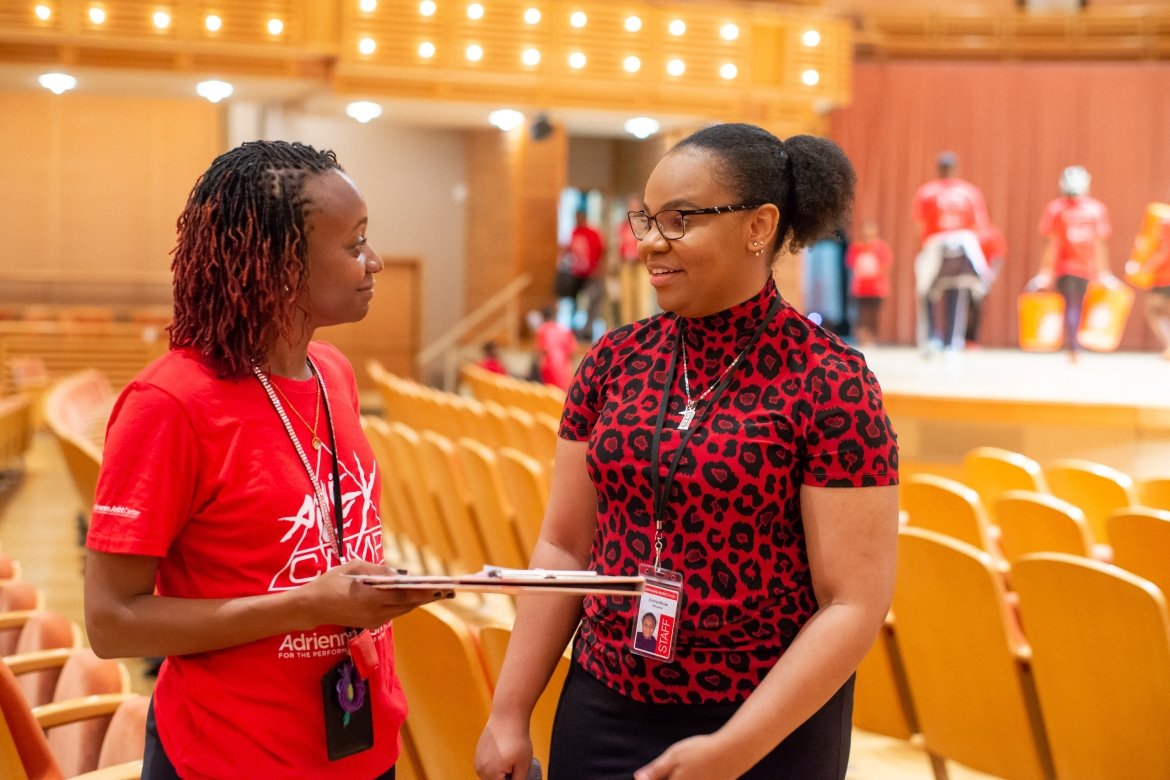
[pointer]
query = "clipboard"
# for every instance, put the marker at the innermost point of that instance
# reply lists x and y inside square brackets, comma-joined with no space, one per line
[495,579]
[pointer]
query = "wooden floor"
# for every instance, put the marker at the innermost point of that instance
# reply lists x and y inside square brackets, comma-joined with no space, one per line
[38,528]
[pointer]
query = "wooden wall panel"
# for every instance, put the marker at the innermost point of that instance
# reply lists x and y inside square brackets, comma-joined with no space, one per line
[92,188]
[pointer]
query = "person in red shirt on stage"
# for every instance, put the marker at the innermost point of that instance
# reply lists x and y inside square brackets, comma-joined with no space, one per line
[1076,226]
[1158,296]
[238,494]
[994,248]
[950,213]
[869,260]
[738,456]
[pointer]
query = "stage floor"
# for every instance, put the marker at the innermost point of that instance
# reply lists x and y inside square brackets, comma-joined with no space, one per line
[1113,408]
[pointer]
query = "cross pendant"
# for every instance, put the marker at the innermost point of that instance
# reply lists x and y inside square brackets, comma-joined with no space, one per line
[687,416]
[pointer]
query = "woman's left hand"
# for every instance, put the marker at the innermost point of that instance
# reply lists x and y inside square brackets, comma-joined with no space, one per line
[694,758]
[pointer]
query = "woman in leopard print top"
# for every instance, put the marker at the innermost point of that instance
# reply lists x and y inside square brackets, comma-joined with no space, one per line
[779,513]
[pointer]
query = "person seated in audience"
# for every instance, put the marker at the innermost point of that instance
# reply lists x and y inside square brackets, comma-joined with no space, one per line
[554,349]
[490,359]
[739,457]
[238,496]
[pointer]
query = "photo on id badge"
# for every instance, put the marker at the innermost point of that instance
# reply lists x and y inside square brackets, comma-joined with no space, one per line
[654,626]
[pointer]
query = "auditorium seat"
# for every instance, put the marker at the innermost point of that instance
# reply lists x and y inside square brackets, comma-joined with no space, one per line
[1095,488]
[881,696]
[435,538]
[1100,640]
[493,642]
[42,630]
[965,661]
[103,684]
[441,462]
[1037,522]
[946,507]
[447,687]
[991,471]
[1154,492]
[24,748]
[1141,543]
[492,511]
[527,490]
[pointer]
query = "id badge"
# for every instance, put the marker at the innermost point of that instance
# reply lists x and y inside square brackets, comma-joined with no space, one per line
[349,715]
[656,623]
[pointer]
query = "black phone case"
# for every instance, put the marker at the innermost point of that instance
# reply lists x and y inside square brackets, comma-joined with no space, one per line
[343,739]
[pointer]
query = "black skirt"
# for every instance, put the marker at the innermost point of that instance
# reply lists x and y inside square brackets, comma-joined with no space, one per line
[600,734]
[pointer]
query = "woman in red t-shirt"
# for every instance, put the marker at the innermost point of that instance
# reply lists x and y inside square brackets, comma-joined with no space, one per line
[219,536]
[738,456]
[869,259]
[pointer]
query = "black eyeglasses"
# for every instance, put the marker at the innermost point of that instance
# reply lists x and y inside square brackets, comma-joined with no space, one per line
[672,223]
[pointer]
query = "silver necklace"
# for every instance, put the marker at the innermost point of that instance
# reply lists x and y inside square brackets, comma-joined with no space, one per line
[688,413]
[318,488]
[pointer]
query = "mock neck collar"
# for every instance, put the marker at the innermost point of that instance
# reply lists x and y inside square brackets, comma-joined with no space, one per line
[731,326]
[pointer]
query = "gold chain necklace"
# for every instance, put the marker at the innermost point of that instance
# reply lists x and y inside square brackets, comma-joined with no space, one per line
[316,412]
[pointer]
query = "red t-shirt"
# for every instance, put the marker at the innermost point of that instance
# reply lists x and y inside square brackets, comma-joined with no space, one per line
[1075,225]
[200,473]
[949,204]
[800,409]
[586,246]
[870,263]
[555,343]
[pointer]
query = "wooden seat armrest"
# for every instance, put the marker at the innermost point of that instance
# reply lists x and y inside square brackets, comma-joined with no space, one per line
[131,770]
[14,619]
[59,713]
[22,663]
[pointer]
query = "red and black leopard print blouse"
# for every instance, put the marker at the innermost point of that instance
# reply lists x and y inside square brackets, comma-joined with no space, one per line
[800,409]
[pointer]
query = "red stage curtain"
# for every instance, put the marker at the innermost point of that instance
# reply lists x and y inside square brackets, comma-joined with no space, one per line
[1014,127]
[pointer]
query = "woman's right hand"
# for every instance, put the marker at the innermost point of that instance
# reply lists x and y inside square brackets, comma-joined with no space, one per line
[504,750]
[335,598]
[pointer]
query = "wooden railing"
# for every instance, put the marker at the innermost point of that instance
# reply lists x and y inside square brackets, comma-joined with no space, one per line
[496,318]
[961,32]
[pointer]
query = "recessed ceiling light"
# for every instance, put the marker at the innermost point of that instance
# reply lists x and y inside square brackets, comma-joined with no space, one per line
[161,19]
[530,57]
[97,15]
[57,83]
[578,19]
[676,67]
[728,71]
[633,24]
[275,27]
[632,64]
[506,119]
[214,90]
[363,111]
[213,23]
[426,50]
[532,15]
[474,53]
[810,38]
[367,46]
[43,12]
[677,27]
[642,126]
[729,32]
[810,78]
[577,60]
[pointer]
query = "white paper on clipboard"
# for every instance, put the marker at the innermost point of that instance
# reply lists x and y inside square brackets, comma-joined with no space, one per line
[495,579]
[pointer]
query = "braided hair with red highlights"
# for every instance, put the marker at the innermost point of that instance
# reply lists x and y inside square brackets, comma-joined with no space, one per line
[240,256]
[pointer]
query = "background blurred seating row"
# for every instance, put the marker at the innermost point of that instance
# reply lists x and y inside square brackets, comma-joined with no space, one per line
[455,416]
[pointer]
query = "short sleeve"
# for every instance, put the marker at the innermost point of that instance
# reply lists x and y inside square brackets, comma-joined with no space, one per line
[584,398]
[146,487]
[850,441]
[1048,218]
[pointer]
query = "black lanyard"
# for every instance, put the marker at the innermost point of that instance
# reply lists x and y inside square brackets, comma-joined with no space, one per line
[338,519]
[659,487]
